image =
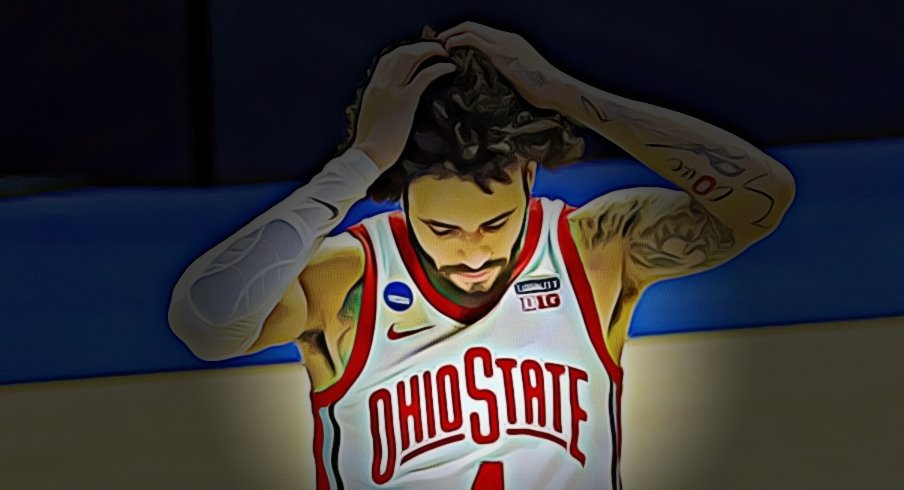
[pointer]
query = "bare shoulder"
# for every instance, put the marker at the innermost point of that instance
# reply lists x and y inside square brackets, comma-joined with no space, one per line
[331,273]
[309,304]
[612,216]
[632,238]
[662,233]
[342,248]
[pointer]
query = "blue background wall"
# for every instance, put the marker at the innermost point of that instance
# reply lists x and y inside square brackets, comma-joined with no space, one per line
[89,272]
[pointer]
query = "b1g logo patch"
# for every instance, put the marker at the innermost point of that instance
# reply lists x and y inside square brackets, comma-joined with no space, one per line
[542,301]
[537,286]
[398,296]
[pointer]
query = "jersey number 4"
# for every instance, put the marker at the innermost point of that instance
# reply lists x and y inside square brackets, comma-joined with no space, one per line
[489,476]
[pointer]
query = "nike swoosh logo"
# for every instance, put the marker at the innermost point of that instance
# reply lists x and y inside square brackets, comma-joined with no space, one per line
[329,206]
[394,334]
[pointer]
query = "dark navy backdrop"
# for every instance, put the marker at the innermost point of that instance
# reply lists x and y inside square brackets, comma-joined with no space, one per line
[772,71]
[228,91]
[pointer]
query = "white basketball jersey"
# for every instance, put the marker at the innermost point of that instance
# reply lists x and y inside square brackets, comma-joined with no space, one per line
[519,394]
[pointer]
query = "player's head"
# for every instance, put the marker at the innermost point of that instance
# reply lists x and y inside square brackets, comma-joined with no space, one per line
[469,232]
[473,123]
[470,158]
[469,167]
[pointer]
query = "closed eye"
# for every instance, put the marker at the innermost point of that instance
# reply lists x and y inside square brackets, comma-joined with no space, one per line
[440,232]
[442,229]
[495,227]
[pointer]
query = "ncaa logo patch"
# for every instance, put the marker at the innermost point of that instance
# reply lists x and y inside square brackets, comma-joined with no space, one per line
[398,296]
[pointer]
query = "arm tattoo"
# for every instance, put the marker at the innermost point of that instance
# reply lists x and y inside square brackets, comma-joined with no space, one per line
[348,316]
[351,307]
[593,111]
[724,159]
[759,221]
[614,219]
[316,340]
[720,159]
[536,77]
[728,162]
[672,241]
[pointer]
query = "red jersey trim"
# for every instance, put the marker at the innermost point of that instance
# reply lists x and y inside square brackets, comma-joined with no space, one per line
[364,332]
[443,304]
[618,429]
[323,481]
[581,285]
[360,350]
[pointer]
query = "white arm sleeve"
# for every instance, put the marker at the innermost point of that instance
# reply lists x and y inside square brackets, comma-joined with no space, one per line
[220,303]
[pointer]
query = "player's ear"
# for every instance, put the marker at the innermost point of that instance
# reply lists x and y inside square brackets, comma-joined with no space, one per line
[530,172]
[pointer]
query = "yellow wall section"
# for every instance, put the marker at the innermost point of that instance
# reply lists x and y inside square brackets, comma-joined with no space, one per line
[815,406]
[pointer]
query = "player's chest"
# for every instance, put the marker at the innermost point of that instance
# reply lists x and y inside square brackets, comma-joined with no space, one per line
[436,391]
[539,319]
[535,338]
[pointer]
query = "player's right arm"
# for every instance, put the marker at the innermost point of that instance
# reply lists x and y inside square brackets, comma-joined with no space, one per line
[309,305]
[247,292]
[319,310]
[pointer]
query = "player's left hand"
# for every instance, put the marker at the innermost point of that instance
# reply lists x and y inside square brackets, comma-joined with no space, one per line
[540,83]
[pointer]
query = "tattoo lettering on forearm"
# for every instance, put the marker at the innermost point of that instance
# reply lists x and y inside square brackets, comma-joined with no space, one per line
[708,188]
[684,171]
[687,234]
[684,153]
[594,111]
[722,191]
[702,186]
[759,221]
[723,159]
[719,158]
[536,77]
[727,161]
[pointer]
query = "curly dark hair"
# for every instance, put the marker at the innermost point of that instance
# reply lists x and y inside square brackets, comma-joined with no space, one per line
[471,123]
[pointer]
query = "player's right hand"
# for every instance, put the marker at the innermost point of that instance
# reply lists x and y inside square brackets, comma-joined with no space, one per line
[389,101]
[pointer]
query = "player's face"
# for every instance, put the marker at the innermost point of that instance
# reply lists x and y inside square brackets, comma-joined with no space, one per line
[469,234]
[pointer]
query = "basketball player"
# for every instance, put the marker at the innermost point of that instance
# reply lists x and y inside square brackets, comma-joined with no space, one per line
[473,338]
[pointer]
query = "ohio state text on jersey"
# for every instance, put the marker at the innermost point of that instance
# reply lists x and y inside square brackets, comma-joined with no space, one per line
[521,393]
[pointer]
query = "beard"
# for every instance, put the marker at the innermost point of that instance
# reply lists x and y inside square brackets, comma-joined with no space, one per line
[477,287]
[475,293]
[480,286]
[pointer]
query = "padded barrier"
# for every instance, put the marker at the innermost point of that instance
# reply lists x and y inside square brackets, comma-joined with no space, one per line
[88,272]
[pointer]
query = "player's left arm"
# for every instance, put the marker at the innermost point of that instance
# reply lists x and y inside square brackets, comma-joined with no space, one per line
[731,196]
[733,193]
[658,234]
